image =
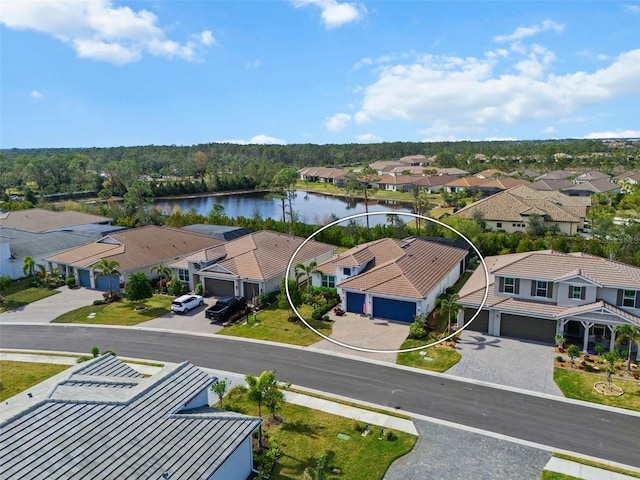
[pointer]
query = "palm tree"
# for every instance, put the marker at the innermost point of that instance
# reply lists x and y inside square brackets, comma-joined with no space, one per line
[163,272]
[260,389]
[106,268]
[29,267]
[449,308]
[301,268]
[628,334]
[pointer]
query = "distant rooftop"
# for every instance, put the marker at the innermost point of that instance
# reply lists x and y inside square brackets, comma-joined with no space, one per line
[221,232]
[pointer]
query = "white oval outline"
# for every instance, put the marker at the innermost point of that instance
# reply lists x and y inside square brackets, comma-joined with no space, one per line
[373,350]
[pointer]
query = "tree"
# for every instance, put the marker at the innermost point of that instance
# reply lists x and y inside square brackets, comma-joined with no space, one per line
[201,160]
[219,387]
[5,282]
[138,287]
[535,226]
[301,268]
[574,352]
[107,268]
[449,308]
[164,273]
[360,182]
[260,388]
[294,292]
[283,184]
[29,267]
[628,334]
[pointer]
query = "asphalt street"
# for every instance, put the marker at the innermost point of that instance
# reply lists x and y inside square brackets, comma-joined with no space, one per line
[604,433]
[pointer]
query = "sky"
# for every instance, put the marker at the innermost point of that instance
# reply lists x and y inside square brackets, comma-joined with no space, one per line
[101,73]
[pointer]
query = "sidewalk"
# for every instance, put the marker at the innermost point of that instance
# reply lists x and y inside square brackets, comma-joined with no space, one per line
[581,471]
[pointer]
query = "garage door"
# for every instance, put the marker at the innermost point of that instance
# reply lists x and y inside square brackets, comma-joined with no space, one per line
[394,309]
[528,328]
[84,279]
[219,288]
[102,283]
[355,302]
[480,323]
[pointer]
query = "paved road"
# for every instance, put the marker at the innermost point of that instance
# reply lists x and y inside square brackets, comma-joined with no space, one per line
[603,433]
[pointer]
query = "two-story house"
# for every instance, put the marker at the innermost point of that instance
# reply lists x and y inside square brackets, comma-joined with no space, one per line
[393,279]
[538,295]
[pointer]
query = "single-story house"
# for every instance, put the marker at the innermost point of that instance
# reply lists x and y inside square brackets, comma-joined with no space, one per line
[538,295]
[395,183]
[250,265]
[393,279]
[432,183]
[106,420]
[554,175]
[551,184]
[591,176]
[135,250]
[511,210]
[323,175]
[588,188]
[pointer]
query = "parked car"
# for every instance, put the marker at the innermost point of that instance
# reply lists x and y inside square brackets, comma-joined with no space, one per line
[186,302]
[224,308]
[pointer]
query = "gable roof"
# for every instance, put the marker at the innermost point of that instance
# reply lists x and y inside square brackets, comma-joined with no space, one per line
[105,421]
[517,202]
[599,185]
[625,177]
[136,248]
[260,255]
[32,244]
[406,268]
[551,184]
[221,232]
[39,220]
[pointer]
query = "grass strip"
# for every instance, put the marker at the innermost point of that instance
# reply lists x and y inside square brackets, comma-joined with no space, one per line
[603,466]
[20,376]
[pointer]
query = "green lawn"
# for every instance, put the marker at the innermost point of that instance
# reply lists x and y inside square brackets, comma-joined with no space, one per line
[273,324]
[441,358]
[307,434]
[579,385]
[16,377]
[22,292]
[548,475]
[597,465]
[118,313]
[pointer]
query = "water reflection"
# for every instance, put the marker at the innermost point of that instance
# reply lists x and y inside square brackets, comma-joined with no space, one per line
[311,208]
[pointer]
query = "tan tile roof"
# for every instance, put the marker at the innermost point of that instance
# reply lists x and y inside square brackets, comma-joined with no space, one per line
[137,248]
[633,175]
[264,254]
[433,180]
[466,182]
[417,271]
[395,180]
[323,172]
[510,205]
[39,220]
[456,172]
[382,250]
[490,173]
[599,185]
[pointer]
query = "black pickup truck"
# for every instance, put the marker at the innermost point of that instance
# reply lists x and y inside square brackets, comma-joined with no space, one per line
[224,308]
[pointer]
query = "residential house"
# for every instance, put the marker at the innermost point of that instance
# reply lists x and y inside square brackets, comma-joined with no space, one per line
[627,180]
[453,171]
[591,176]
[250,265]
[588,188]
[38,233]
[393,279]
[538,295]
[135,250]
[512,209]
[219,232]
[554,175]
[548,185]
[432,183]
[323,175]
[399,183]
[492,173]
[463,184]
[106,420]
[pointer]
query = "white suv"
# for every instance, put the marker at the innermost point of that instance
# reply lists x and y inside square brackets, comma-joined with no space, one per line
[186,302]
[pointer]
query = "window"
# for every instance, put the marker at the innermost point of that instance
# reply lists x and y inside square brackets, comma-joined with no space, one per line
[329,281]
[183,275]
[346,270]
[541,289]
[499,224]
[509,285]
[629,298]
[576,292]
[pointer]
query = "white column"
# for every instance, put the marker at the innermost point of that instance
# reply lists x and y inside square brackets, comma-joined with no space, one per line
[612,343]
[585,340]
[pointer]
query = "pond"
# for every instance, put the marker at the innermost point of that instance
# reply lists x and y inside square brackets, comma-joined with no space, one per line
[313,208]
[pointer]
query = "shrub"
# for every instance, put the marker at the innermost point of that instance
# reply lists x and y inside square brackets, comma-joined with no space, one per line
[71,282]
[559,358]
[321,310]
[325,318]
[176,287]
[391,436]
[417,330]
[95,351]
[100,302]
[266,299]
[111,296]
[83,358]
[109,352]
[199,289]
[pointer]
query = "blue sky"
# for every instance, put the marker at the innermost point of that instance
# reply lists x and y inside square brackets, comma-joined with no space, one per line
[83,73]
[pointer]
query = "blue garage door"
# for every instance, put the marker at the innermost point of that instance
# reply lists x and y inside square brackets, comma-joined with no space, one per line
[85,278]
[394,309]
[355,302]
[102,283]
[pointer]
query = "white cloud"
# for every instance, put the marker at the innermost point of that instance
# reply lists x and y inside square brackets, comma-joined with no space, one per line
[614,134]
[470,93]
[98,30]
[334,13]
[549,129]
[632,8]
[37,94]
[258,139]
[254,64]
[338,122]
[524,32]
[368,138]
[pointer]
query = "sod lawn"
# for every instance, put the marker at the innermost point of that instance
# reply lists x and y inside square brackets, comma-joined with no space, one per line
[22,292]
[16,377]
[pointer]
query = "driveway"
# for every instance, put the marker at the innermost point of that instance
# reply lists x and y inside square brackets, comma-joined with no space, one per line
[46,309]
[362,332]
[506,361]
[193,321]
